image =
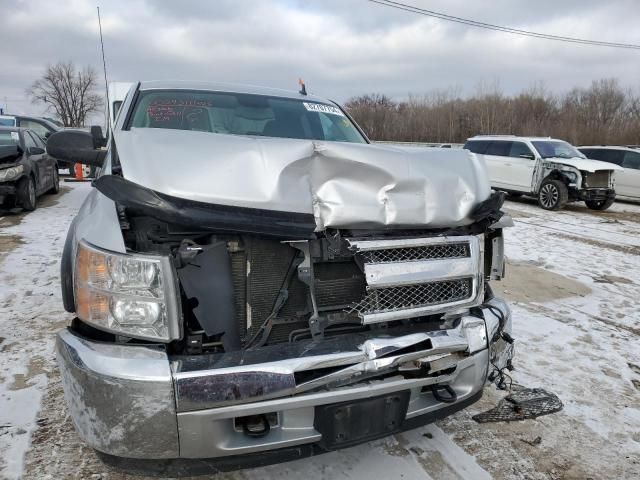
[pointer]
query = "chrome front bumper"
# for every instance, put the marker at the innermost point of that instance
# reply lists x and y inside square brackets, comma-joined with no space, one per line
[136,402]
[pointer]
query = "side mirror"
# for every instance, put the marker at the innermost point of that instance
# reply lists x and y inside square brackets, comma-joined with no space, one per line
[75,146]
[527,155]
[35,151]
[98,138]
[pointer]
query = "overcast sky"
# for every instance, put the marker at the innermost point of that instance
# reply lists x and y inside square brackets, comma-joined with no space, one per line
[340,47]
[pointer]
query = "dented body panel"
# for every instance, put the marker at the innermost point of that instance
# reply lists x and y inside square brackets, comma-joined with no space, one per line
[124,402]
[343,185]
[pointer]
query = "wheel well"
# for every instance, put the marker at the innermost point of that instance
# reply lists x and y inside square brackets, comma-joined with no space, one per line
[557,175]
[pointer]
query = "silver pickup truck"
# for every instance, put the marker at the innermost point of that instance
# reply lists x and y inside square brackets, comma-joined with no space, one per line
[253,279]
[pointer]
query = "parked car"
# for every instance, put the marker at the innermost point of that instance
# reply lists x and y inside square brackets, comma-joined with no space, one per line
[41,126]
[26,170]
[552,170]
[628,179]
[253,279]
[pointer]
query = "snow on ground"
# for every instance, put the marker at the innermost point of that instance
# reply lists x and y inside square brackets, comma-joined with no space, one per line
[575,289]
[30,310]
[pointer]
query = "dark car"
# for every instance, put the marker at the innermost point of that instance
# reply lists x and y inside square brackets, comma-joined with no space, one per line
[26,170]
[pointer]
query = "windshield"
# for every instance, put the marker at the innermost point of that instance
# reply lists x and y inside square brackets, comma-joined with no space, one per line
[243,114]
[556,148]
[9,138]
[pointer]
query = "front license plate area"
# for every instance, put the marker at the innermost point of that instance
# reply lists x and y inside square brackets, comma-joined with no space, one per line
[349,423]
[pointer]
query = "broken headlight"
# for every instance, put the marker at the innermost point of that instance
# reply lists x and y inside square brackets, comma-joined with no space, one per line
[130,295]
[571,176]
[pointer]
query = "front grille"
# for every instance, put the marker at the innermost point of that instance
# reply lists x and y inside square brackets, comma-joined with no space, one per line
[599,179]
[412,277]
[413,296]
[422,252]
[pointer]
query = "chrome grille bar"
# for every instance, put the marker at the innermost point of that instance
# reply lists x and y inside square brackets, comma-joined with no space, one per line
[412,277]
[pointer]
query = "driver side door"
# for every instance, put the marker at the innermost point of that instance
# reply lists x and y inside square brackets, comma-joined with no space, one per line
[522,162]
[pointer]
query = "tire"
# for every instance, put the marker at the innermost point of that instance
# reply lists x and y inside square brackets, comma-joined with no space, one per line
[26,193]
[599,204]
[553,194]
[56,182]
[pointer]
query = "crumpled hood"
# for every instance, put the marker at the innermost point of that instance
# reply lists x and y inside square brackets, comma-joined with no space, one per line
[584,164]
[344,185]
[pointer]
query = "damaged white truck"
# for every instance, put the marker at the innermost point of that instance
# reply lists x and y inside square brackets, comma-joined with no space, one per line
[253,281]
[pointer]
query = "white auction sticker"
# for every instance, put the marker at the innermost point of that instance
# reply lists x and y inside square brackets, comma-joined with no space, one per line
[322,108]
[15,136]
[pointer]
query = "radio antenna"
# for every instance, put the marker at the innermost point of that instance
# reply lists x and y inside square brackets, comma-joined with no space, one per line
[104,69]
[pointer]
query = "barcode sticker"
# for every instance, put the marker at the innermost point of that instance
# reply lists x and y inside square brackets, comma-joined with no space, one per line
[322,108]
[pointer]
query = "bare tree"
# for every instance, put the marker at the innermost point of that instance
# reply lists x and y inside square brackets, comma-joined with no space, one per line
[601,113]
[68,91]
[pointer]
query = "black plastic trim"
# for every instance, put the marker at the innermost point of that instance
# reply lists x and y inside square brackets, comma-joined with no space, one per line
[206,216]
[66,271]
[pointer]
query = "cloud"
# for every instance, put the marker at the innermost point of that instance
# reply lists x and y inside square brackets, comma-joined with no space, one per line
[340,47]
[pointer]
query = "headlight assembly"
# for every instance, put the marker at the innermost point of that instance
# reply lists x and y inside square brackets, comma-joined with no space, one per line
[11,173]
[130,295]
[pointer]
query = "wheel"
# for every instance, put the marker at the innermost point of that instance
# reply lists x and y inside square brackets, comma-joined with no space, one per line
[553,194]
[599,204]
[56,182]
[26,193]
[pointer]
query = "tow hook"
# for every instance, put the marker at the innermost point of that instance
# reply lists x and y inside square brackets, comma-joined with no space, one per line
[450,397]
[255,425]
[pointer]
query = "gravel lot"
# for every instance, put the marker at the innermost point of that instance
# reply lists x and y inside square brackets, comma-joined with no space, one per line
[574,283]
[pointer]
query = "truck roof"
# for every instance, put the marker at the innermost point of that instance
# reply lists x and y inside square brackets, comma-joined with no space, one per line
[228,87]
[610,147]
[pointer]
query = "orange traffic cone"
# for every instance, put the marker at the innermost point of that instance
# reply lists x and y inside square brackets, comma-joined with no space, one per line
[78,174]
[77,170]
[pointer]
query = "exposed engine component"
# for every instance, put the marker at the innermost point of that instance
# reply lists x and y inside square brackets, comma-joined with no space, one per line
[242,291]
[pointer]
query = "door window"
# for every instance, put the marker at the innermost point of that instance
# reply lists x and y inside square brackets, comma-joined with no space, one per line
[29,141]
[518,149]
[605,154]
[35,126]
[39,141]
[499,148]
[631,160]
[591,153]
[477,146]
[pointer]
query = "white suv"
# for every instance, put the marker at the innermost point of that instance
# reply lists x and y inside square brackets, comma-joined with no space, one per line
[552,170]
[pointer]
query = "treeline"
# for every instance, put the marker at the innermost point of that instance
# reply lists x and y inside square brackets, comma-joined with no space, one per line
[603,113]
